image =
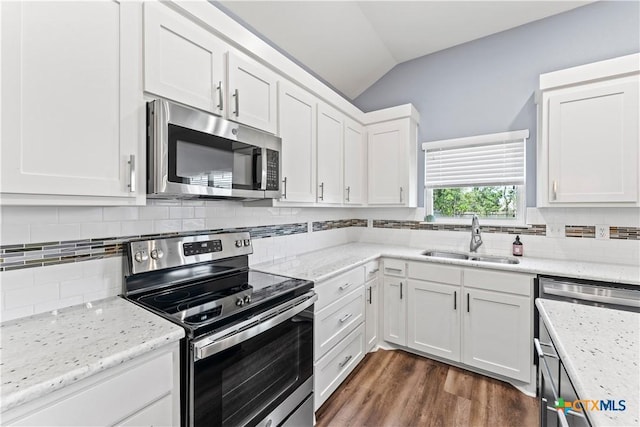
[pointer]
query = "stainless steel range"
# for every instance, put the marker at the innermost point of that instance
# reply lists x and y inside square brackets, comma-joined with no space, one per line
[247,358]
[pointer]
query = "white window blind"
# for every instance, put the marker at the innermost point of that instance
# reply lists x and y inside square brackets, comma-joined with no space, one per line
[484,160]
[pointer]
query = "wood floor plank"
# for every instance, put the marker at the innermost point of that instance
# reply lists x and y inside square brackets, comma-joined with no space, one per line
[396,388]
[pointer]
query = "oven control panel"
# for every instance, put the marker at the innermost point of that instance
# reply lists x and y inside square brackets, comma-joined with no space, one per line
[199,248]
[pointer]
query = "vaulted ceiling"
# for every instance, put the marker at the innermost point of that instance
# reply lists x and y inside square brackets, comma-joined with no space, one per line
[351,44]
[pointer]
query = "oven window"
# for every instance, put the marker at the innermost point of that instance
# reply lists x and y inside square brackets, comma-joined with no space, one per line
[197,158]
[244,383]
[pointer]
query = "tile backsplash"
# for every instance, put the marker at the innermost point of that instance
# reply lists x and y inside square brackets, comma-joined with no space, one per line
[55,257]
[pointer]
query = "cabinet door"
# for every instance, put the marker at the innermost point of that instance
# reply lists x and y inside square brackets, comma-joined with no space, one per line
[183,61]
[497,333]
[395,310]
[252,93]
[387,151]
[354,163]
[297,117]
[434,319]
[371,313]
[330,136]
[593,143]
[72,107]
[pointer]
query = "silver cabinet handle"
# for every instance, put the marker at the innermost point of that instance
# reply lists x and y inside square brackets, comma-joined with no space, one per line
[555,189]
[455,300]
[220,102]
[372,272]
[345,361]
[345,286]
[236,95]
[370,296]
[132,173]
[348,193]
[400,290]
[345,318]
[400,194]
[284,192]
[393,269]
[322,191]
[468,304]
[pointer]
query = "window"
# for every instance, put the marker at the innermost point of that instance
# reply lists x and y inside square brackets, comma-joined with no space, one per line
[480,175]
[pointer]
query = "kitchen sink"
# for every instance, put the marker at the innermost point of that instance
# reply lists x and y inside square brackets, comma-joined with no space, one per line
[481,258]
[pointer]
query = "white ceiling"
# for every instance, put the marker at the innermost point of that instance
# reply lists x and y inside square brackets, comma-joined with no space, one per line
[351,44]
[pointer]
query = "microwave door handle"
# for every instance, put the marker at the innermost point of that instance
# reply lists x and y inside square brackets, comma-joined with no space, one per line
[263,179]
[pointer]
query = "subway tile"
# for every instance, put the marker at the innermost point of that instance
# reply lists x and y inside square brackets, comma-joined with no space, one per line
[193,224]
[78,214]
[167,226]
[17,279]
[14,233]
[54,232]
[79,287]
[100,229]
[180,212]
[29,214]
[30,296]
[153,212]
[16,313]
[120,213]
[137,228]
[57,273]
[57,304]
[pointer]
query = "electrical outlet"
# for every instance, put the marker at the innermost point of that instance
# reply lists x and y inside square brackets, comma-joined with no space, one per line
[555,230]
[602,231]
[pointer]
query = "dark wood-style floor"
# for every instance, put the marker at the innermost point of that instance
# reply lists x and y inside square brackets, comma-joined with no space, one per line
[396,388]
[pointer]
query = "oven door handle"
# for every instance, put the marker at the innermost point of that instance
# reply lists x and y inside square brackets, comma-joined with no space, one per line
[250,328]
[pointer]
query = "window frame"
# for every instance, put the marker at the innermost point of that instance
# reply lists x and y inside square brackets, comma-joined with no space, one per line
[521,208]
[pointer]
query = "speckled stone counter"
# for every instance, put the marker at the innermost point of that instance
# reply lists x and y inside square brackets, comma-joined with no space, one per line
[326,263]
[601,353]
[46,352]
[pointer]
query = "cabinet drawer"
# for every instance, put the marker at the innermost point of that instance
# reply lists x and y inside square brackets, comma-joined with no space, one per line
[371,270]
[103,404]
[513,283]
[336,365]
[333,289]
[435,273]
[336,321]
[394,267]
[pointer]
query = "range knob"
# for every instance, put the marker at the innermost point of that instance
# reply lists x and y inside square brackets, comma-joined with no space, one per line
[247,299]
[238,243]
[247,242]
[239,302]
[157,254]
[141,256]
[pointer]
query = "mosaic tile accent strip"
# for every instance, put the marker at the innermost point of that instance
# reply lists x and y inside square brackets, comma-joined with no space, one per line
[341,223]
[533,230]
[624,233]
[582,231]
[30,255]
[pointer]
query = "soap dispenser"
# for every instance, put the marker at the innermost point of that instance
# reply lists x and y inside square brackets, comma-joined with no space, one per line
[518,247]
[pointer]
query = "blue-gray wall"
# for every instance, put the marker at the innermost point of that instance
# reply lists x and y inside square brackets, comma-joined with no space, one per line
[488,85]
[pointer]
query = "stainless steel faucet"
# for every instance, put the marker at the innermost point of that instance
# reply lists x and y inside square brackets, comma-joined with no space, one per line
[476,238]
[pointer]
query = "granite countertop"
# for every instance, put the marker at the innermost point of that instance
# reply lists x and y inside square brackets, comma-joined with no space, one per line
[601,353]
[46,352]
[326,263]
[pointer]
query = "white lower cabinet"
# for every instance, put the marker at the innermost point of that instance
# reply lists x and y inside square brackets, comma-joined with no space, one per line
[395,310]
[339,331]
[336,365]
[434,318]
[143,391]
[371,313]
[478,317]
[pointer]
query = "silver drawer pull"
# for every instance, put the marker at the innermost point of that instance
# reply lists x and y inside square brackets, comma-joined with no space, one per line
[375,271]
[345,286]
[393,269]
[345,361]
[346,317]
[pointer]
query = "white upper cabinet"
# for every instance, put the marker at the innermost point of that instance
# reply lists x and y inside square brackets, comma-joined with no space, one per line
[183,61]
[330,140]
[297,117]
[354,163]
[589,142]
[392,165]
[252,93]
[72,106]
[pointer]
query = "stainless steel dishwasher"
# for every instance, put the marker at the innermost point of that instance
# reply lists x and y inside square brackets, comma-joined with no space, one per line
[553,380]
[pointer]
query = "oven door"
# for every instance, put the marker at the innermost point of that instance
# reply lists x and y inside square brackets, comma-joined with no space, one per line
[260,373]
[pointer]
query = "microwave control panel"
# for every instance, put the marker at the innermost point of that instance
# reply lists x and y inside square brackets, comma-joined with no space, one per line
[273,171]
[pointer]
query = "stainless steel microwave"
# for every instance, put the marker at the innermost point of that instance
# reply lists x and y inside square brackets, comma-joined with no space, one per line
[191,153]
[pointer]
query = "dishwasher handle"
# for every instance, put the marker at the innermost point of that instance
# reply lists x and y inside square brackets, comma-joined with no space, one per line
[600,294]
